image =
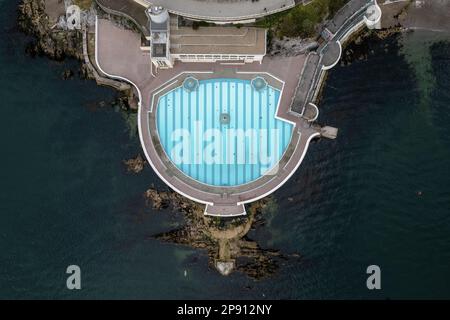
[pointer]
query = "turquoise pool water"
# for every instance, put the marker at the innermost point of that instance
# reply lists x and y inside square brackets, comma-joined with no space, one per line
[223,132]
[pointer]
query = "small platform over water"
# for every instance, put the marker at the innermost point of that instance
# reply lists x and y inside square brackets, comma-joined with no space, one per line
[329,132]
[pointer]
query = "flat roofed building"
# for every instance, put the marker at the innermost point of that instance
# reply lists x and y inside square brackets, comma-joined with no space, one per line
[211,44]
[170,43]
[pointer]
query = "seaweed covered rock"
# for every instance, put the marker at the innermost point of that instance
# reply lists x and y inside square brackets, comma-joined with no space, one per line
[135,165]
[224,239]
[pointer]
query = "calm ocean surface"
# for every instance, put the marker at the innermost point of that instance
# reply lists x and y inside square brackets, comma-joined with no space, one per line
[66,197]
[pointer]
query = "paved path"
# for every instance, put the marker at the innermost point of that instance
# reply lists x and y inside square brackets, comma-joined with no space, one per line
[129,9]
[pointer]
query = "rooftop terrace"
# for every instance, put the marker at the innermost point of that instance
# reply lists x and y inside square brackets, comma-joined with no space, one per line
[218,40]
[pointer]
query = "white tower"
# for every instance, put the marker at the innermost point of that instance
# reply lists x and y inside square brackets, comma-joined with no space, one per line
[158,14]
[160,37]
[372,18]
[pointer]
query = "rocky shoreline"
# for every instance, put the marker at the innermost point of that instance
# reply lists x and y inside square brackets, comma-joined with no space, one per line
[57,43]
[359,47]
[225,240]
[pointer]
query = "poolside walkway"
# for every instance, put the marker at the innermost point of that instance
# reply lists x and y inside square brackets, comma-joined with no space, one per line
[118,55]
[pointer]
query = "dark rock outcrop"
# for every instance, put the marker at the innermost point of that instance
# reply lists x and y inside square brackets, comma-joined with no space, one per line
[224,239]
[54,43]
[135,165]
[57,43]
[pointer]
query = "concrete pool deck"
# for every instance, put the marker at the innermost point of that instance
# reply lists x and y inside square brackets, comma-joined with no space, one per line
[118,55]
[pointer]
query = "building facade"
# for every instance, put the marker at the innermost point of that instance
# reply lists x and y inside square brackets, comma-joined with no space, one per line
[169,43]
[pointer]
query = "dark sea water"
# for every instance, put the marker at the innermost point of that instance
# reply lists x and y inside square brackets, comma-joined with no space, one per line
[66,197]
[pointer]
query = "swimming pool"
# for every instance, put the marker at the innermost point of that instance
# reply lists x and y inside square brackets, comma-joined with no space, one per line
[223,131]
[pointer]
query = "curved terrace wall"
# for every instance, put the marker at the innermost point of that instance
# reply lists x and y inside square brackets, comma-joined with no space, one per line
[224,10]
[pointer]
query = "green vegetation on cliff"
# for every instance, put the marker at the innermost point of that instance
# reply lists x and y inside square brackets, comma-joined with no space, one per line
[83,4]
[301,21]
